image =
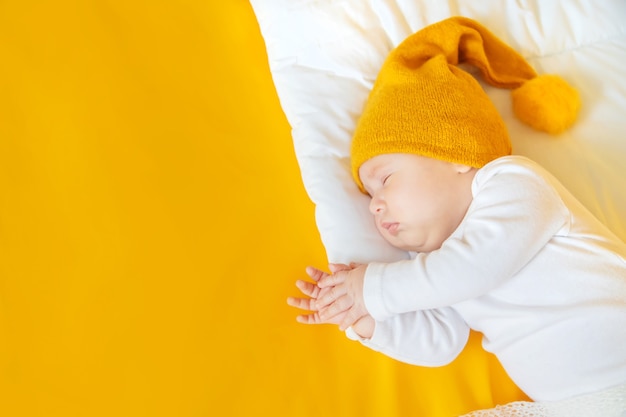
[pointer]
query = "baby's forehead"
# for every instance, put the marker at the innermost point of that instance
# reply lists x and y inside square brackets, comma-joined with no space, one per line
[375,164]
[378,166]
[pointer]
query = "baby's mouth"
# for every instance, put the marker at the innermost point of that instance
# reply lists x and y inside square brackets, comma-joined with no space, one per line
[391,227]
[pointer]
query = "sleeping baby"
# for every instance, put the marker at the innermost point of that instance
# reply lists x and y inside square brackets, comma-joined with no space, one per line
[498,244]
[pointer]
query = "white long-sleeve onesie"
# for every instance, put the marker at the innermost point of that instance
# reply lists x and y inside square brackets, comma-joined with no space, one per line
[531,269]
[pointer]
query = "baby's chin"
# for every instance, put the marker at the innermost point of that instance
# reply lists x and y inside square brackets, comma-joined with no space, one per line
[399,243]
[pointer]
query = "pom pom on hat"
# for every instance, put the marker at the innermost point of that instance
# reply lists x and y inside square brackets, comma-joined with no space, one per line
[423,103]
[546,103]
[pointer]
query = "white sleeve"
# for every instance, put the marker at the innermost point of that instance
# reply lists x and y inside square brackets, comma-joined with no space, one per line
[424,338]
[514,213]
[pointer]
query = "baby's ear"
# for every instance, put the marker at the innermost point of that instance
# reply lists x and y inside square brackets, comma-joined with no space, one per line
[462,169]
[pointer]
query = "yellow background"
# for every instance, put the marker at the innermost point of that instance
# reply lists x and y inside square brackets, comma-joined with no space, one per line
[153,222]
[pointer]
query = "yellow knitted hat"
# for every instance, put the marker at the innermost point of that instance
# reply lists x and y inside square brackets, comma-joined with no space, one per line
[423,104]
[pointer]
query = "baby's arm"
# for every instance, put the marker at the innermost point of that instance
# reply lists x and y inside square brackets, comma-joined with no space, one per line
[424,338]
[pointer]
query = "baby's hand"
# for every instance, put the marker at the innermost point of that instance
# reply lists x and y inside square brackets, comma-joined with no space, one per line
[364,326]
[342,294]
[313,292]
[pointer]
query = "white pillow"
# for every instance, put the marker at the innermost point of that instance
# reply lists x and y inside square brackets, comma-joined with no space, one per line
[324,56]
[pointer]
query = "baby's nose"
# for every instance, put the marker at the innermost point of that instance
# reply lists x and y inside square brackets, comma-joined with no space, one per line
[376,205]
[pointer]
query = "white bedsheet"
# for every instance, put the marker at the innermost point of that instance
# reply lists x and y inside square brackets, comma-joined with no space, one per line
[324,56]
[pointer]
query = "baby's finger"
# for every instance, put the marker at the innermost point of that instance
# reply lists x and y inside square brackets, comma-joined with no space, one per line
[309,319]
[314,273]
[308,288]
[339,267]
[331,280]
[301,303]
[328,296]
[341,305]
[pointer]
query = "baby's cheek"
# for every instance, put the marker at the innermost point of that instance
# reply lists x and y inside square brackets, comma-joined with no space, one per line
[381,231]
[392,240]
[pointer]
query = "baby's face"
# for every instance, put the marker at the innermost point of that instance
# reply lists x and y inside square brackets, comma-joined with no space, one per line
[417,202]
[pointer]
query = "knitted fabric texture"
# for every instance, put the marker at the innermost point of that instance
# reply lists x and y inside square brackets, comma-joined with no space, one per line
[608,403]
[423,103]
